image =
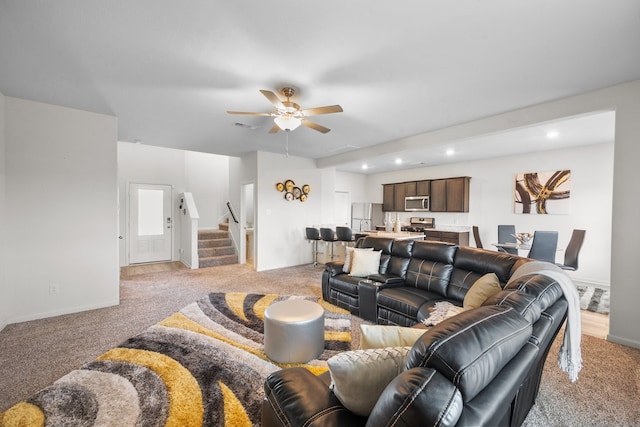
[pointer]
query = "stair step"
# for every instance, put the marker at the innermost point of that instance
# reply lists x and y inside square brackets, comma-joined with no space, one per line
[213,243]
[224,226]
[216,251]
[212,234]
[218,260]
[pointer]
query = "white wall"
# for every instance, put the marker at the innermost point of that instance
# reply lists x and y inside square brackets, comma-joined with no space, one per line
[4,290]
[491,200]
[206,176]
[62,223]
[280,228]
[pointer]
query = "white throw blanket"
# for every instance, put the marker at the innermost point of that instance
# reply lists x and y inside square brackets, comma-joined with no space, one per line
[570,356]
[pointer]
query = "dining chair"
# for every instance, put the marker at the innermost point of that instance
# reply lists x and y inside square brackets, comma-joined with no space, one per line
[506,234]
[544,245]
[476,236]
[572,251]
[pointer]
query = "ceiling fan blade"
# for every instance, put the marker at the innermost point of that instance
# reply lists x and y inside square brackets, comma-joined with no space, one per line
[315,126]
[274,129]
[322,110]
[273,98]
[248,113]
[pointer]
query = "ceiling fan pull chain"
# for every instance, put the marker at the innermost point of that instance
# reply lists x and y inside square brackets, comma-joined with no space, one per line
[287,143]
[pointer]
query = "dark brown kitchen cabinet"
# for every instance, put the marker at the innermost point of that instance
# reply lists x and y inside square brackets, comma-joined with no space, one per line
[438,197]
[400,192]
[458,194]
[422,188]
[388,197]
[410,189]
[450,195]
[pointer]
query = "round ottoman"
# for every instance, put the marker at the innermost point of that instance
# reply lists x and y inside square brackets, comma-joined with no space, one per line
[293,331]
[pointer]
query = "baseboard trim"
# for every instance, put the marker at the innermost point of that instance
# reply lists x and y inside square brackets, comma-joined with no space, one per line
[623,341]
[3,324]
[68,310]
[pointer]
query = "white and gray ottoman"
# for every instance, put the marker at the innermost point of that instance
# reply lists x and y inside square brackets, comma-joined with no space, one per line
[293,331]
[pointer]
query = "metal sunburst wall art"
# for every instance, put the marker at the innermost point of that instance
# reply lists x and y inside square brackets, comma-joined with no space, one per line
[292,192]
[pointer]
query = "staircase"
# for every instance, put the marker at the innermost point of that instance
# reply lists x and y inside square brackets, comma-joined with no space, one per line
[215,247]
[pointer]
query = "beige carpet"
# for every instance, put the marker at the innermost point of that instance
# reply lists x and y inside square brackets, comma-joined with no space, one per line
[35,354]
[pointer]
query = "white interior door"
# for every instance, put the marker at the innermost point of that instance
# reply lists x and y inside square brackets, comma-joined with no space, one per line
[150,223]
[342,206]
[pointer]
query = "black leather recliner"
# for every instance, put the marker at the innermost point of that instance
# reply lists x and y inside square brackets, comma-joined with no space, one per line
[505,385]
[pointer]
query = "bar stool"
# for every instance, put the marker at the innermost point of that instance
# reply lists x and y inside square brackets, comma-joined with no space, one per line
[329,236]
[313,235]
[344,235]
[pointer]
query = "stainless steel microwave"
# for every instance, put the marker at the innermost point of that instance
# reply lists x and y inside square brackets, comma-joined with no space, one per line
[416,204]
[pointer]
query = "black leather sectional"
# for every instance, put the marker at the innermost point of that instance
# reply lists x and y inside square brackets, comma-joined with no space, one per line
[498,386]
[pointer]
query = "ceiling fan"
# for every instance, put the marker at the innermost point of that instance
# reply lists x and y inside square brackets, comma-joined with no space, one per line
[288,115]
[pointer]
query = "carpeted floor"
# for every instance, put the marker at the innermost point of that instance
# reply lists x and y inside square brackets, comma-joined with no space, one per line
[35,354]
[202,366]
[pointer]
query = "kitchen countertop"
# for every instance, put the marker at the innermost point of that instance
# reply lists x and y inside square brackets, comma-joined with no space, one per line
[399,235]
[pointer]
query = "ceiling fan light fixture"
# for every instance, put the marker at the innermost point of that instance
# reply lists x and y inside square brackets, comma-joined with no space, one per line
[287,123]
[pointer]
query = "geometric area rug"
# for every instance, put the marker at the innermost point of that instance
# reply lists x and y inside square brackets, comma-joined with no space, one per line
[202,366]
[594,299]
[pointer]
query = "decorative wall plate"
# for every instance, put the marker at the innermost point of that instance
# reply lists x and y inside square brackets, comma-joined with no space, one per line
[303,197]
[280,186]
[288,185]
[297,192]
[306,189]
[289,196]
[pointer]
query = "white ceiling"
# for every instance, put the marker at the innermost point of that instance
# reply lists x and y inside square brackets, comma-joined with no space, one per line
[170,70]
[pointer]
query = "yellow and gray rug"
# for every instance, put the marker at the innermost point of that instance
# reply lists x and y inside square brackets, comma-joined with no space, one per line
[202,366]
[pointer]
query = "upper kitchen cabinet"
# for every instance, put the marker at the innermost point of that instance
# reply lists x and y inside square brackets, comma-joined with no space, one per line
[393,194]
[422,188]
[388,197]
[400,193]
[450,195]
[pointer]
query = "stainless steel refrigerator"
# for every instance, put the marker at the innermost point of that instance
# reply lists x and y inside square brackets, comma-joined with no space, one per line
[366,216]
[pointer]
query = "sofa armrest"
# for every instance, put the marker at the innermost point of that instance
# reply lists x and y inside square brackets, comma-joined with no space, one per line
[296,397]
[418,397]
[334,268]
[387,280]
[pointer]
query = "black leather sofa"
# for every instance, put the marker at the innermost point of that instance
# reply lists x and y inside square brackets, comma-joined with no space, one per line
[481,367]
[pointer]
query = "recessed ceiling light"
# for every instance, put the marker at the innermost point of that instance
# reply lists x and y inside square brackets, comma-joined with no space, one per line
[398,161]
[552,134]
[365,166]
[450,152]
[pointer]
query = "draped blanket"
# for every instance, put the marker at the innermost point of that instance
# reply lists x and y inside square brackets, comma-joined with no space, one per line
[202,366]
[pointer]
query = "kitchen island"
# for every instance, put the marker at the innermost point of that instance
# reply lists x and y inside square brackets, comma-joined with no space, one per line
[396,235]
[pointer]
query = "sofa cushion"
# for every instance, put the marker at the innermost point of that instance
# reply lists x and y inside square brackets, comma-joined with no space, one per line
[360,376]
[380,336]
[364,263]
[405,300]
[546,290]
[483,288]
[470,349]
[346,268]
[418,397]
[526,305]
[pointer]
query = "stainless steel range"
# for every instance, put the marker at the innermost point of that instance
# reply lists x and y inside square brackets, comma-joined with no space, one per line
[419,224]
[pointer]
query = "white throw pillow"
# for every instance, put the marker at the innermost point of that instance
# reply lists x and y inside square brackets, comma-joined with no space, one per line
[365,263]
[483,288]
[349,257]
[360,376]
[380,336]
